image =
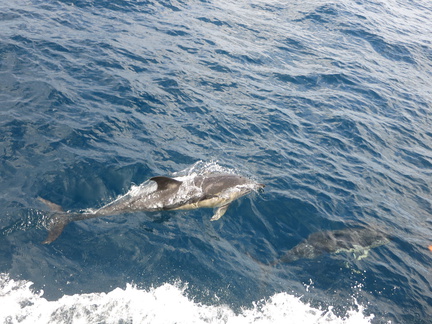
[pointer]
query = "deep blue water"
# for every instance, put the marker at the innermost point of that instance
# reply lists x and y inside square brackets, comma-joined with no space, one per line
[329,103]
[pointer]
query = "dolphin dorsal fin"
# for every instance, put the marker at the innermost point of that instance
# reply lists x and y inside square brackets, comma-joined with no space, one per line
[164,183]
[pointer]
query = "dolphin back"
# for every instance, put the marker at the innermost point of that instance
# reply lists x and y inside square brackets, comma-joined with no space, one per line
[58,220]
[303,250]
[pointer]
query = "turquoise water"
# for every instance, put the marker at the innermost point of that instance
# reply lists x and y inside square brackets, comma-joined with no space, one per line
[327,103]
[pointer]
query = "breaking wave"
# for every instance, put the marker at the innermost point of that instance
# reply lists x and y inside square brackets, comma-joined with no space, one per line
[166,304]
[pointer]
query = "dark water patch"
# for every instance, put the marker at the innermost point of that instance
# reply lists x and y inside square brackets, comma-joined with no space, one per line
[214,21]
[392,51]
[6,16]
[323,14]
[216,67]
[117,5]
[314,81]
[177,32]
[417,159]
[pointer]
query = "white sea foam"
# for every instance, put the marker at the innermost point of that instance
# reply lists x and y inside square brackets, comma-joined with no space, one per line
[165,304]
[202,168]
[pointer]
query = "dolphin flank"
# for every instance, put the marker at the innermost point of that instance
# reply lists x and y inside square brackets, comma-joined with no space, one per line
[203,191]
[357,240]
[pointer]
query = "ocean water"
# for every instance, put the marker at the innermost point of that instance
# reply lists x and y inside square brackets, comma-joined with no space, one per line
[329,103]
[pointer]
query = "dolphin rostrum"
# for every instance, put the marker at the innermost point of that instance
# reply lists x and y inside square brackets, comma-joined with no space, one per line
[358,240]
[215,190]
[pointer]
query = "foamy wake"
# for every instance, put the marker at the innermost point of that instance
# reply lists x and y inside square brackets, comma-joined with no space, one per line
[165,304]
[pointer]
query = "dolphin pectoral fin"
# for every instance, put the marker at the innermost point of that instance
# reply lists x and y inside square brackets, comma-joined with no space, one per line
[219,212]
[56,226]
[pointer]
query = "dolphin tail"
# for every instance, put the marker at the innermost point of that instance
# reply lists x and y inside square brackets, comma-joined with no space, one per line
[57,224]
[57,221]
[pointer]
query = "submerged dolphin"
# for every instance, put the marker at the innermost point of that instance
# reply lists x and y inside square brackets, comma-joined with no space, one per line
[211,191]
[357,240]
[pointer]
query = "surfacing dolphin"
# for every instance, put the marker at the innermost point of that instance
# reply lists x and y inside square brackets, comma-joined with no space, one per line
[358,240]
[203,191]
